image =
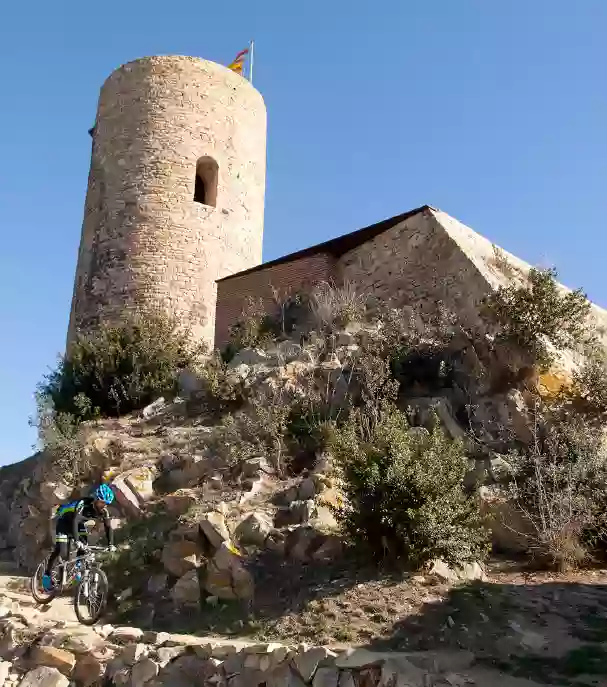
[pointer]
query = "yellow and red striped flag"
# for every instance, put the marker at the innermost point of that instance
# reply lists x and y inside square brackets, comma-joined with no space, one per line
[238,62]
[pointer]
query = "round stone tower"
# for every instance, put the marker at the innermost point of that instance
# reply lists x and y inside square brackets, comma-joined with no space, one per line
[175,195]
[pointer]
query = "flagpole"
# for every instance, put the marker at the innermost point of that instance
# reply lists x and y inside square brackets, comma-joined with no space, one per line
[251,63]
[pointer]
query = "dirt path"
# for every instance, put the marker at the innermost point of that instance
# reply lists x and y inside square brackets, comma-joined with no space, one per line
[523,630]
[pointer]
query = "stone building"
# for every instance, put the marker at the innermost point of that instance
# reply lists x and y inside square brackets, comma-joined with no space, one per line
[175,196]
[174,214]
[418,258]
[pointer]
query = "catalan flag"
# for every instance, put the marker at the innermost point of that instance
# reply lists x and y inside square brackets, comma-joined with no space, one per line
[238,62]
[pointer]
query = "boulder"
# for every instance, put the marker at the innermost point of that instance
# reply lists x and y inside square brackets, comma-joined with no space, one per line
[125,496]
[300,542]
[252,467]
[465,573]
[133,653]
[307,661]
[289,351]
[178,504]
[63,661]
[126,634]
[179,557]
[54,492]
[307,489]
[326,677]
[189,383]
[298,513]
[154,409]
[157,583]
[254,529]
[226,577]
[141,482]
[249,357]
[43,676]
[143,672]
[186,591]
[511,531]
[214,528]
[329,548]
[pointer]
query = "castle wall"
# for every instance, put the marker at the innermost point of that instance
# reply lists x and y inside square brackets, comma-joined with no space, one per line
[287,277]
[146,243]
[416,262]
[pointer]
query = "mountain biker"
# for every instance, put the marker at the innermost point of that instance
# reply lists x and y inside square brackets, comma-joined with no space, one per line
[70,526]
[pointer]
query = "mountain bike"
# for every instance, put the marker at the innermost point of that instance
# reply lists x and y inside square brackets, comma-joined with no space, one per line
[82,570]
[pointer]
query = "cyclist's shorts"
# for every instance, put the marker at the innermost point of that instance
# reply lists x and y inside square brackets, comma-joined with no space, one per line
[63,530]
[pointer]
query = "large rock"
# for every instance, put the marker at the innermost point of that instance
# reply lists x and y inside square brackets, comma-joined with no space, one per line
[143,672]
[249,357]
[468,572]
[141,482]
[226,577]
[254,529]
[44,676]
[214,528]
[511,531]
[154,409]
[49,656]
[54,492]
[179,557]
[308,661]
[426,410]
[301,542]
[179,503]
[253,467]
[186,591]
[125,496]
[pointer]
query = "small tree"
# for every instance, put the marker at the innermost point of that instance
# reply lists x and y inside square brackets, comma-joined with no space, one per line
[559,489]
[537,311]
[404,493]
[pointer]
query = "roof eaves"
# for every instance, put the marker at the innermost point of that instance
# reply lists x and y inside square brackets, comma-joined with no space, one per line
[337,246]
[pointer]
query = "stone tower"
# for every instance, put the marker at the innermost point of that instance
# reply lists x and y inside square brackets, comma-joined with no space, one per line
[175,195]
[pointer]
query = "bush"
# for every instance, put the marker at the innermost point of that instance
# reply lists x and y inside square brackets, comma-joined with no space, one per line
[257,430]
[559,489]
[404,493]
[537,311]
[591,382]
[334,306]
[62,438]
[120,368]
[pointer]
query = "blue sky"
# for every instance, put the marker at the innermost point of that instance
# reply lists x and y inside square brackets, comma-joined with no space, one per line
[495,112]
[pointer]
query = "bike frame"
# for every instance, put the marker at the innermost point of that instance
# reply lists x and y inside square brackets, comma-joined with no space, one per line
[87,557]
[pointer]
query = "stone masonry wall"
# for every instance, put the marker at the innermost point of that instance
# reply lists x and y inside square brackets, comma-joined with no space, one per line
[145,242]
[417,263]
[287,277]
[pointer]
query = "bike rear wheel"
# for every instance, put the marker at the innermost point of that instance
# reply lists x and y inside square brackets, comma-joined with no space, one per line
[91,596]
[40,595]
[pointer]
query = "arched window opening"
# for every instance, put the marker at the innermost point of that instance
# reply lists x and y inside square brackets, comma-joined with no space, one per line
[205,185]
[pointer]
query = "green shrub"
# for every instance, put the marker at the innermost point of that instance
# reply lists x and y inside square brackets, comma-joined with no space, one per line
[537,311]
[404,494]
[120,368]
[591,382]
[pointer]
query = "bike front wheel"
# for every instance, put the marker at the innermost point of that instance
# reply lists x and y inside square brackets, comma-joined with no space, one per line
[41,595]
[91,596]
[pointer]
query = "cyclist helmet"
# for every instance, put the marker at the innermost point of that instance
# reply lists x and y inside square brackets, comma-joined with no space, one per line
[104,493]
